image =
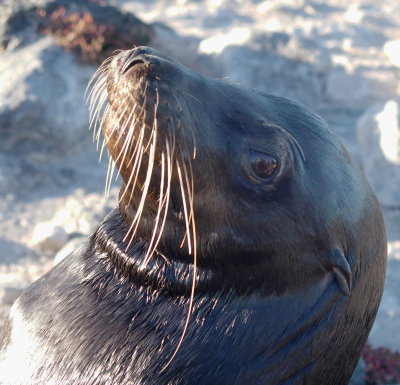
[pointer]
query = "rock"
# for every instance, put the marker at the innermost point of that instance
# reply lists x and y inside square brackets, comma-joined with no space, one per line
[42,106]
[17,176]
[392,51]
[394,250]
[385,329]
[353,14]
[49,236]
[82,212]
[91,29]
[216,44]
[19,23]
[378,135]
[10,170]
[72,245]
[9,295]
[13,253]
[264,63]
[358,377]
[356,87]
[169,42]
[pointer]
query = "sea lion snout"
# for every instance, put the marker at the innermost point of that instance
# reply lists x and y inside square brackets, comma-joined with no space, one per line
[145,63]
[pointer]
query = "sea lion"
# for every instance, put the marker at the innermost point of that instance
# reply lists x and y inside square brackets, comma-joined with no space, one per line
[247,247]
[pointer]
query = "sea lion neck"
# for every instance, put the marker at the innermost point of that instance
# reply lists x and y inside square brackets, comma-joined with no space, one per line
[165,274]
[161,274]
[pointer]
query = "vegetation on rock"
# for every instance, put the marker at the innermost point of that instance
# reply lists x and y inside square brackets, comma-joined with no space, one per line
[79,32]
[382,366]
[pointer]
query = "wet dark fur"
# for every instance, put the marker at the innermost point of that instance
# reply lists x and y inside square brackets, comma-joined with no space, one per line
[290,271]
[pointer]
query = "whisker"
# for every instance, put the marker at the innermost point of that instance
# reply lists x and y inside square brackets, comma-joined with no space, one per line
[167,194]
[102,149]
[96,104]
[190,95]
[292,137]
[161,201]
[135,222]
[110,172]
[134,174]
[98,134]
[95,123]
[162,196]
[127,142]
[192,291]
[119,115]
[97,99]
[94,79]
[137,154]
[191,129]
[184,206]
[143,150]
[100,85]
[124,126]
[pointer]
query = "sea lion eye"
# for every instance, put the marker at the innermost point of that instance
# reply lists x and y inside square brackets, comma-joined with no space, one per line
[263,165]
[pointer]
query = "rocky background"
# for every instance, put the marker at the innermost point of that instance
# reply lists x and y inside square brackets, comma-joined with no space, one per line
[340,57]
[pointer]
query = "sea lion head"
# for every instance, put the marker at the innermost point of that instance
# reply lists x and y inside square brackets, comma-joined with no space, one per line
[247,247]
[256,186]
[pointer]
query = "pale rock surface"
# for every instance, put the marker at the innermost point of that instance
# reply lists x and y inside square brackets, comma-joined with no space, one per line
[358,377]
[263,64]
[385,331]
[392,51]
[82,212]
[42,105]
[359,88]
[69,248]
[16,276]
[8,295]
[49,236]
[378,133]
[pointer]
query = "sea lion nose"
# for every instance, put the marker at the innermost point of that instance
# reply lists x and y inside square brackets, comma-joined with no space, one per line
[142,59]
[137,60]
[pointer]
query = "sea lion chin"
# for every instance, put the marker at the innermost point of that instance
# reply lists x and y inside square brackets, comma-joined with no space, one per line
[247,246]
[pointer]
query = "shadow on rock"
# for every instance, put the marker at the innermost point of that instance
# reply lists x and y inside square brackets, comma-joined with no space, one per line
[12,252]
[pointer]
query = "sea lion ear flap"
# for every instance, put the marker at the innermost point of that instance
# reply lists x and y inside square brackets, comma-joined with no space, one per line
[341,269]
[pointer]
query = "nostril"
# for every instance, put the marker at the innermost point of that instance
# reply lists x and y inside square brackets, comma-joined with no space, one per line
[131,62]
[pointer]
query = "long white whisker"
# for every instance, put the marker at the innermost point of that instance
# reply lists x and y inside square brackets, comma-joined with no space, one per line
[167,194]
[161,201]
[110,171]
[192,290]
[135,221]
[293,138]
[98,134]
[124,126]
[97,104]
[137,154]
[178,167]
[150,168]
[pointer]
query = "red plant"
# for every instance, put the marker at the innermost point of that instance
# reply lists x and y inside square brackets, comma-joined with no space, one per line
[79,32]
[382,366]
